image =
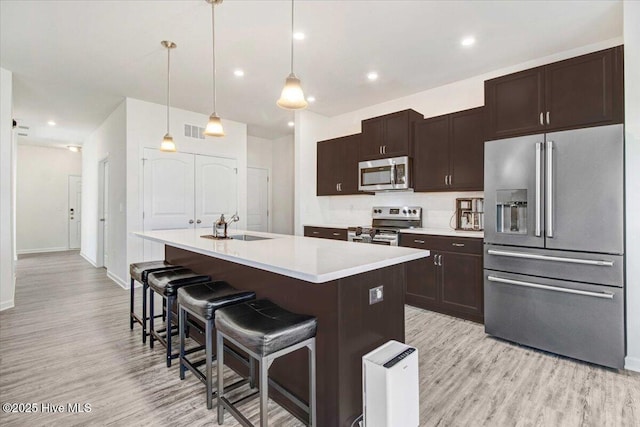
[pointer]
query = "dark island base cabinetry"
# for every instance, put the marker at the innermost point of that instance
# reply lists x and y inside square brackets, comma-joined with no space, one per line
[450,281]
[325,232]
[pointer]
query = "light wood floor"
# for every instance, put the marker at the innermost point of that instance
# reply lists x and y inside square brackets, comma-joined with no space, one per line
[68,341]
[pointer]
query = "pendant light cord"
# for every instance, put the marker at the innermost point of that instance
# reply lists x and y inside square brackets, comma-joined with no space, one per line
[168,84]
[292,36]
[213,39]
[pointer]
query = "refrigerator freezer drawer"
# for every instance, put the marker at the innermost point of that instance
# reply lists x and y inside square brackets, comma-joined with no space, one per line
[575,266]
[577,320]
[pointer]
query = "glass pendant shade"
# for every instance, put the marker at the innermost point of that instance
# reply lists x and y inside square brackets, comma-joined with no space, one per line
[167,144]
[292,97]
[214,126]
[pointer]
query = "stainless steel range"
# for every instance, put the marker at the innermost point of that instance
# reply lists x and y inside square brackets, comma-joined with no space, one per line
[385,225]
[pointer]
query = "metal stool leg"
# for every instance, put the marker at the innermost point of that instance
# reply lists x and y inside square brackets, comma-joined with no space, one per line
[169,328]
[131,305]
[182,325]
[312,384]
[145,288]
[209,356]
[220,362]
[264,392]
[151,316]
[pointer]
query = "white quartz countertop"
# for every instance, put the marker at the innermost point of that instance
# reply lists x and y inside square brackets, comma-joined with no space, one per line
[305,258]
[431,231]
[444,232]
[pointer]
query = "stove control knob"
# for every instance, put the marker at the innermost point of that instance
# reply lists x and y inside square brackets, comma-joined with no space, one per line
[414,211]
[358,231]
[404,211]
[372,233]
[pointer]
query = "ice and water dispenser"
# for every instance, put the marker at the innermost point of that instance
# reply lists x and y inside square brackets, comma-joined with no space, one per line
[511,211]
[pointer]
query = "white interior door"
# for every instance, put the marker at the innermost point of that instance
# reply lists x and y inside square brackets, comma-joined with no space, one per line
[168,195]
[257,199]
[75,203]
[216,189]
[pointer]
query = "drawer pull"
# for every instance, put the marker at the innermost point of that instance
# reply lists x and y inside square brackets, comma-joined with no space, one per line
[597,262]
[316,232]
[460,245]
[336,234]
[419,241]
[606,295]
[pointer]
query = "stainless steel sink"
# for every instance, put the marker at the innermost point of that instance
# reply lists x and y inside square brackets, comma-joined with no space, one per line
[248,237]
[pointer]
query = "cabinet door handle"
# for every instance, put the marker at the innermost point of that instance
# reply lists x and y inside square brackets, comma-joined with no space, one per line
[460,245]
[450,179]
[380,149]
[384,149]
[419,241]
[541,118]
[548,121]
[435,259]
[439,260]
[190,221]
[198,222]
[446,179]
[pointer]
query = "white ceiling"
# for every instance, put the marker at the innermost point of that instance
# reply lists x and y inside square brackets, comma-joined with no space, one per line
[74,61]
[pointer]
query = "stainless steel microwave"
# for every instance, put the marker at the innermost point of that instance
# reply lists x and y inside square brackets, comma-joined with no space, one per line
[384,174]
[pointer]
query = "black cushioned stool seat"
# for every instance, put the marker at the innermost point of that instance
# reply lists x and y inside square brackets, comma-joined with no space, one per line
[265,331]
[166,283]
[202,301]
[139,272]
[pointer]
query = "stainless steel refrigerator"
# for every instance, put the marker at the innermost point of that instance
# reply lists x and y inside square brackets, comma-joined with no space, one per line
[554,242]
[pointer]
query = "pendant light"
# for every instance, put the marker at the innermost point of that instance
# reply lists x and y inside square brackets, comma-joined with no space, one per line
[292,97]
[167,142]
[214,126]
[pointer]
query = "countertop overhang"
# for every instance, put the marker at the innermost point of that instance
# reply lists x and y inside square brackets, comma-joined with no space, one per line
[306,258]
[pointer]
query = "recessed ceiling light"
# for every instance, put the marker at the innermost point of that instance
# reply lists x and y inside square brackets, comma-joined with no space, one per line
[468,41]
[238,73]
[299,35]
[291,124]
[51,123]
[372,76]
[311,98]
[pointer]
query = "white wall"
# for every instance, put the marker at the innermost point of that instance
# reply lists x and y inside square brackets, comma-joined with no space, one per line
[259,155]
[108,141]
[42,199]
[7,156]
[632,156]
[145,127]
[282,185]
[438,208]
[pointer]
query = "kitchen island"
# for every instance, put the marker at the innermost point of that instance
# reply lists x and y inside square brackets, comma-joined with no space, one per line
[324,278]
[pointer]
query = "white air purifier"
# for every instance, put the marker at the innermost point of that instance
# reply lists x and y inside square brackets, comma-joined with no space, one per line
[390,386]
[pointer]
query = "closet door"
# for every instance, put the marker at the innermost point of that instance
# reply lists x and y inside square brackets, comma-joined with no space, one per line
[168,195]
[216,189]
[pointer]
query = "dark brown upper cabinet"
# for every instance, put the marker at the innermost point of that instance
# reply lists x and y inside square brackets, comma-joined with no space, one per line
[577,92]
[337,166]
[449,152]
[388,136]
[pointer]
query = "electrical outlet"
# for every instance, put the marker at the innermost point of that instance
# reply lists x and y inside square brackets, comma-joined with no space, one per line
[376,295]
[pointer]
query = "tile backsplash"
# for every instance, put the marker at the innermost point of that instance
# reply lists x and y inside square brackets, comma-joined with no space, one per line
[438,209]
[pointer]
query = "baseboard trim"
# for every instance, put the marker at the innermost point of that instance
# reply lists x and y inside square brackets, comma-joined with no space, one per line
[118,280]
[5,305]
[89,260]
[42,250]
[632,363]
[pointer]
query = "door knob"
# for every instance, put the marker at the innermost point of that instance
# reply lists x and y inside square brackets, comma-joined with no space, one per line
[190,221]
[198,222]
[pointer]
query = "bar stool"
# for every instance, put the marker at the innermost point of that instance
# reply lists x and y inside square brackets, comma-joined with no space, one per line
[139,272]
[265,331]
[201,302]
[166,284]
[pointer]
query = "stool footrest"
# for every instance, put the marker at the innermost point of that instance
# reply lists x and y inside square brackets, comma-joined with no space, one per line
[236,414]
[246,398]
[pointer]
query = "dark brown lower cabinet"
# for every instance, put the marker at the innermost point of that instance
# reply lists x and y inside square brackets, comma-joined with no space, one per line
[450,280]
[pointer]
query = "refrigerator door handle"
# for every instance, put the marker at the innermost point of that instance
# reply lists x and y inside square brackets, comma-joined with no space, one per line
[597,262]
[538,207]
[549,168]
[606,295]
